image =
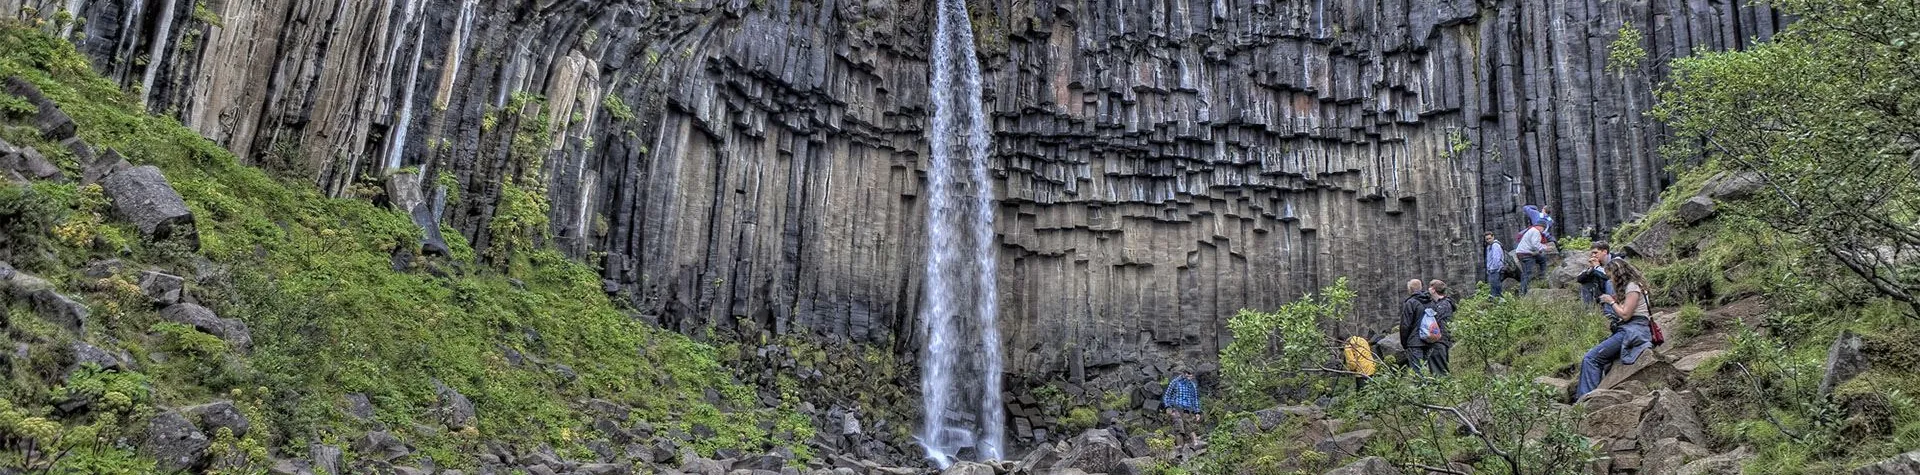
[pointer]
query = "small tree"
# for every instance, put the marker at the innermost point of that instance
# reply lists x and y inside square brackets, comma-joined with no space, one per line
[1270,349]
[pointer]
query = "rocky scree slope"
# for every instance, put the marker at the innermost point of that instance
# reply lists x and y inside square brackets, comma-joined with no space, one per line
[748,165]
[167,308]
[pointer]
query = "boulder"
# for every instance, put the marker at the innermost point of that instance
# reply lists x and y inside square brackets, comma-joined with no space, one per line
[1694,361]
[174,442]
[453,409]
[210,417]
[1903,464]
[1041,457]
[1567,273]
[1561,387]
[96,170]
[1602,398]
[1613,422]
[1650,370]
[1732,185]
[968,468]
[54,124]
[1723,464]
[380,445]
[697,465]
[1346,444]
[760,462]
[60,310]
[1696,209]
[1671,415]
[1367,466]
[29,163]
[1273,417]
[1655,242]
[85,353]
[1844,362]
[1093,451]
[406,192]
[162,288]
[326,458]
[233,331]
[142,196]
[1137,466]
[602,469]
[1668,455]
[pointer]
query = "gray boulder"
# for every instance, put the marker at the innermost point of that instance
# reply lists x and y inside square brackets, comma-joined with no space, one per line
[28,163]
[1566,275]
[695,464]
[211,417]
[174,442]
[54,124]
[233,331]
[1367,466]
[1668,455]
[96,170]
[60,310]
[968,468]
[85,353]
[326,458]
[1671,415]
[1732,185]
[602,469]
[1844,361]
[162,288]
[1093,451]
[1345,444]
[142,196]
[1723,464]
[380,445]
[1655,242]
[1903,464]
[1696,209]
[454,409]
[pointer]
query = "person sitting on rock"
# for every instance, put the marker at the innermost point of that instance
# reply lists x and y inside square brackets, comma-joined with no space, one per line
[1182,399]
[1632,334]
[1594,282]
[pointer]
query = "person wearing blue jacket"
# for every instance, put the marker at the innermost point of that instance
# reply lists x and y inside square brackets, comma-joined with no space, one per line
[1496,264]
[1182,400]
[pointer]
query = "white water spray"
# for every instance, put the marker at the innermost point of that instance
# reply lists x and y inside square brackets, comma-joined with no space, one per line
[960,372]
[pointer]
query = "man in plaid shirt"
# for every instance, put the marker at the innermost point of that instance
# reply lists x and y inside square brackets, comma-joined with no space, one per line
[1182,400]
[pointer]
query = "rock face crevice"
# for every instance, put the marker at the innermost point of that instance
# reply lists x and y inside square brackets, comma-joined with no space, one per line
[759,164]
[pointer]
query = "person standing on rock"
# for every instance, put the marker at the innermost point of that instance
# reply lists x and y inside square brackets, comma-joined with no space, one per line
[1411,310]
[851,434]
[1496,264]
[1182,399]
[1632,334]
[1443,308]
[1532,252]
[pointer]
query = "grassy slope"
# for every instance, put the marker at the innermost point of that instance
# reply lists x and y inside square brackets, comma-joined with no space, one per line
[312,277]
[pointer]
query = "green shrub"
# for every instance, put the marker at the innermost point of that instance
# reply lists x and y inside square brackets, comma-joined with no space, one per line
[1269,349]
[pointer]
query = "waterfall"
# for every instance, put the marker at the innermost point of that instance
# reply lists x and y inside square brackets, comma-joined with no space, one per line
[960,371]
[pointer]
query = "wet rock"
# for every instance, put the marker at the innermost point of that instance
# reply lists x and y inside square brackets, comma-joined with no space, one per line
[162,288]
[1844,362]
[53,123]
[968,468]
[211,417]
[174,442]
[233,331]
[1367,466]
[142,196]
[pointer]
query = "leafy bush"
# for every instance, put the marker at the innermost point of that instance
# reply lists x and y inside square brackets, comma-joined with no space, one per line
[1269,349]
[1507,422]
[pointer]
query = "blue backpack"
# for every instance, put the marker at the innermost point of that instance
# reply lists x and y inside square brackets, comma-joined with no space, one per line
[1429,329]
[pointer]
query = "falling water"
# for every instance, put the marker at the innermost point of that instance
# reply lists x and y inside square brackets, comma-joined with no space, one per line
[960,372]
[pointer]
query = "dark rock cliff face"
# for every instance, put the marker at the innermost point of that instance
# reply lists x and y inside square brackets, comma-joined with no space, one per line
[1160,164]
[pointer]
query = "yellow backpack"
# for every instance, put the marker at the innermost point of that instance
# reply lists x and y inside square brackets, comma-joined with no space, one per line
[1359,356]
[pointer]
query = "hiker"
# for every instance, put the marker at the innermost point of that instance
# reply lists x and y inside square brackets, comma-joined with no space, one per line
[1411,311]
[1496,264]
[1539,215]
[851,434]
[1182,399]
[1532,250]
[1443,308]
[1594,282]
[1360,360]
[1631,334]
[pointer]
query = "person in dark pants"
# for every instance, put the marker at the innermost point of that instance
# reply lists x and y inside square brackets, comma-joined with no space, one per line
[1496,264]
[1411,310]
[1443,307]
[1532,251]
[1182,400]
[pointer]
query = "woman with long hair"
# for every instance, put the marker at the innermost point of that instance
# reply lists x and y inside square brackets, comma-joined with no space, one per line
[1631,323]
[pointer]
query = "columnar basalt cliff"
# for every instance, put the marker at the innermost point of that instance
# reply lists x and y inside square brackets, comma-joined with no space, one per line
[758,164]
